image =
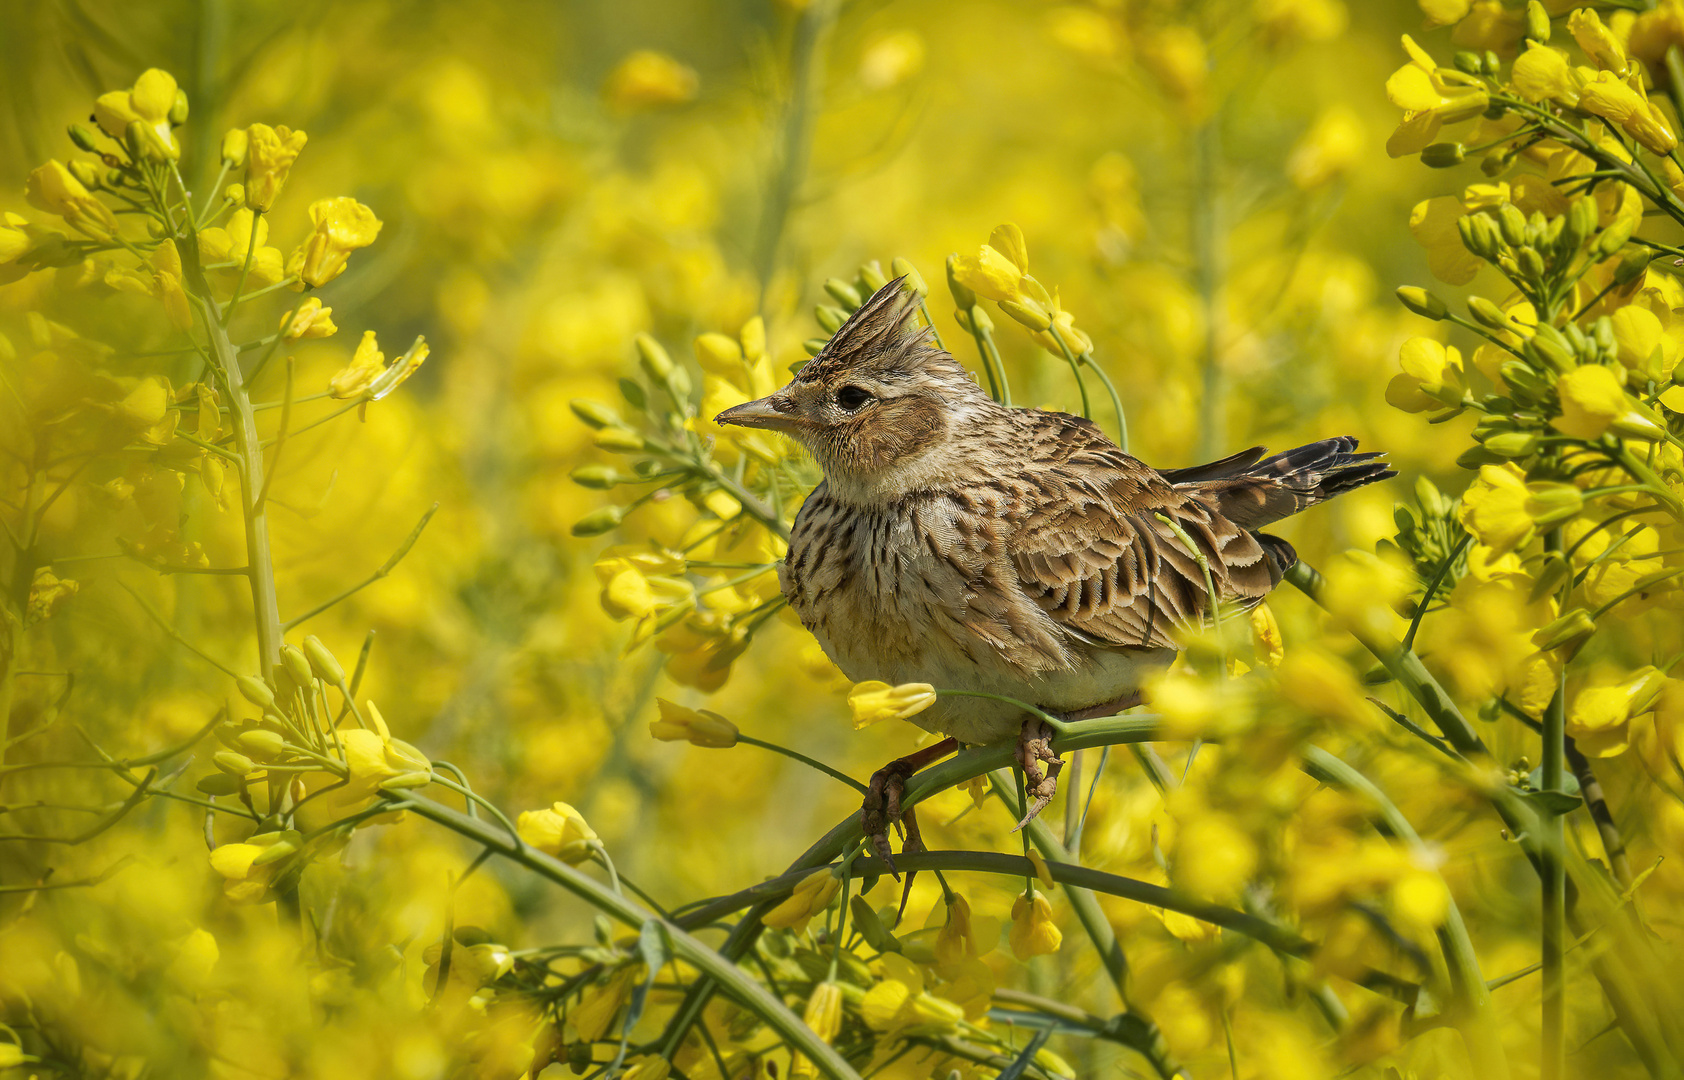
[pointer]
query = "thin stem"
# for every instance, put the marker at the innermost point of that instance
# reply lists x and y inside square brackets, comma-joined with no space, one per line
[280,439]
[245,270]
[385,568]
[804,759]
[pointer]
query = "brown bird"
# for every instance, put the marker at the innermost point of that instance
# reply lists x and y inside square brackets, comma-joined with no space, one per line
[1016,552]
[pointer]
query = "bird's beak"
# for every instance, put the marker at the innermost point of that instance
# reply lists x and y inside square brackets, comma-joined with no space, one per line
[775,413]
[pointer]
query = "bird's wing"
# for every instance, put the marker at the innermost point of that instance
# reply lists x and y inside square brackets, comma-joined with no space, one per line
[1096,544]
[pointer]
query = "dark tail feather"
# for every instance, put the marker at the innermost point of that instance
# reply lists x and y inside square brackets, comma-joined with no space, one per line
[1253,493]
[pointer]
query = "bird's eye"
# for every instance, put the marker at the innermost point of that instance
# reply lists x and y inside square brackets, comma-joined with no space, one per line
[852,397]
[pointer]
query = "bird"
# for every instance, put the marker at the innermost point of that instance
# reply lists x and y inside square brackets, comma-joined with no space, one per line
[1017,552]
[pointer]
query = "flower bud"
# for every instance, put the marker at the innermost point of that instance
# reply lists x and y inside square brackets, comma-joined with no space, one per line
[1422,302]
[1475,456]
[656,363]
[285,844]
[845,294]
[1513,444]
[1479,235]
[87,173]
[619,440]
[595,414]
[1487,314]
[1467,62]
[178,108]
[719,354]
[231,763]
[914,280]
[1531,263]
[1443,155]
[1552,349]
[1551,504]
[814,346]
[297,666]
[1521,378]
[1513,224]
[234,145]
[1580,223]
[830,318]
[599,521]
[256,691]
[218,783]
[83,138]
[1567,633]
[870,926]
[872,276]
[1614,237]
[1632,265]
[962,294]
[597,477]
[1029,314]
[1537,22]
[262,743]
[322,662]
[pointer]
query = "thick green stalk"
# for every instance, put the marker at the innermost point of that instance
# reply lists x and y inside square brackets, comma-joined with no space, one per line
[1553,1026]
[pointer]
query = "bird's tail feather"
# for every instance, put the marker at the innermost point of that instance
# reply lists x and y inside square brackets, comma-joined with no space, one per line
[1254,491]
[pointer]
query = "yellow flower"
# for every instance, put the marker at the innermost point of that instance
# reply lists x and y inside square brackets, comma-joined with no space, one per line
[812,896]
[269,156]
[698,727]
[1329,150]
[1433,224]
[342,225]
[166,272]
[597,1006]
[231,245]
[1627,105]
[309,320]
[1444,12]
[366,365]
[1432,377]
[1598,42]
[647,79]
[1266,636]
[824,1010]
[1593,399]
[872,701]
[1543,74]
[1430,96]
[248,868]
[1600,713]
[560,831]
[47,591]
[149,102]
[647,1068]
[1033,931]
[955,941]
[52,188]
[998,269]
[1503,511]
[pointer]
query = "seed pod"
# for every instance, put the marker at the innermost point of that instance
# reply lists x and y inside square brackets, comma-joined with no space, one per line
[256,691]
[844,293]
[595,414]
[1422,302]
[231,763]
[830,318]
[962,294]
[914,280]
[872,276]
[599,521]
[597,477]
[263,743]
[1443,155]
[297,666]
[322,662]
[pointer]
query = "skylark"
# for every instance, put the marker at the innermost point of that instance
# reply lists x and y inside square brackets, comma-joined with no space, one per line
[1016,552]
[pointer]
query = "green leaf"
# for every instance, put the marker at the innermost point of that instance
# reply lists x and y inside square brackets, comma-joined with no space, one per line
[1553,803]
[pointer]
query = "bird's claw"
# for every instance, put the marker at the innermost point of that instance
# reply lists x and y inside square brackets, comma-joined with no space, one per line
[1034,748]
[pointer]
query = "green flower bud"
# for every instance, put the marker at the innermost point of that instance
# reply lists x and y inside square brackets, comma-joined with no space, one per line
[1551,504]
[1633,262]
[231,763]
[1443,155]
[1487,314]
[1552,571]
[178,108]
[598,521]
[1537,22]
[1467,62]
[234,145]
[1475,456]
[870,926]
[1479,235]
[1614,237]
[814,346]
[89,174]
[844,293]
[872,276]
[599,477]
[1492,63]
[1522,379]
[1530,262]
[656,363]
[1567,633]
[1513,224]
[1422,302]
[256,691]
[1513,444]
[619,440]
[962,294]
[288,844]
[83,138]
[1496,163]
[322,662]
[914,280]
[297,666]
[830,318]
[218,784]
[405,781]
[265,744]
[1553,350]
[595,413]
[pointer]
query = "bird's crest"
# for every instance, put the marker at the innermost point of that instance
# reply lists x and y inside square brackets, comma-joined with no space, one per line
[879,339]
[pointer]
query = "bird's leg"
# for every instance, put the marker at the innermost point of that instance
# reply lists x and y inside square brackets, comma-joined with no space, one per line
[1034,747]
[882,808]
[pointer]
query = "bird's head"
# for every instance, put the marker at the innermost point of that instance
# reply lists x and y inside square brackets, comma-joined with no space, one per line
[878,400]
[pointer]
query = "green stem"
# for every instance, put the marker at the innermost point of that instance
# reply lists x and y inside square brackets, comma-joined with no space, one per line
[796,755]
[1553,1026]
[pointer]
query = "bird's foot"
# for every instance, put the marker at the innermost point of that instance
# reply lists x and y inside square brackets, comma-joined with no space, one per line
[882,808]
[1034,749]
